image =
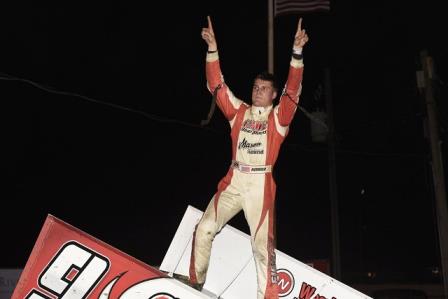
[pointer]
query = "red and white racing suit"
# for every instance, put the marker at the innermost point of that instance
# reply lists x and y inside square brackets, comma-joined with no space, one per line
[257,134]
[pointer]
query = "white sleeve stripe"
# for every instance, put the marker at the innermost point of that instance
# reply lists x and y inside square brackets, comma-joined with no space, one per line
[233,120]
[280,129]
[236,103]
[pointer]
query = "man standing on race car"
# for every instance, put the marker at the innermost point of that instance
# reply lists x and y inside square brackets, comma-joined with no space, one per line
[257,132]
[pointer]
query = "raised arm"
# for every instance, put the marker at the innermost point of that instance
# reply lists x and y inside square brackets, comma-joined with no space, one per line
[290,95]
[226,101]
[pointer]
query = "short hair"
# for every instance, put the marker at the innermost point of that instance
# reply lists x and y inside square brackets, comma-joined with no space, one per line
[266,76]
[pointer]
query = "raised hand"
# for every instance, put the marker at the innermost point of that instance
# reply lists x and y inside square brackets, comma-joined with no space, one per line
[209,36]
[301,38]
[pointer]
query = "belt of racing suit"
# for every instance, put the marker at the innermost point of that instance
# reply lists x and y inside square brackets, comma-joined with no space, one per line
[250,168]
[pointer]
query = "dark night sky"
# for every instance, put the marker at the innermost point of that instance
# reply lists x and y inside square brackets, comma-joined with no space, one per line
[127,178]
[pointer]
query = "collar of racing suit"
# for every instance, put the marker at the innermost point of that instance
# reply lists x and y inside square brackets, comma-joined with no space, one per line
[256,110]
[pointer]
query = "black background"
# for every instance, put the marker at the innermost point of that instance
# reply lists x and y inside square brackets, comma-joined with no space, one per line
[127,176]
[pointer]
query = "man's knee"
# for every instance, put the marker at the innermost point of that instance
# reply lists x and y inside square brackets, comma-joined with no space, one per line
[206,229]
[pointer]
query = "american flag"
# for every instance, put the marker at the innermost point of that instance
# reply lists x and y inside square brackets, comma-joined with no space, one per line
[245,168]
[283,7]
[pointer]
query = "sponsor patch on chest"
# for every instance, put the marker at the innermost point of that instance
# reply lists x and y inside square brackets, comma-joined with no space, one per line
[255,127]
[251,147]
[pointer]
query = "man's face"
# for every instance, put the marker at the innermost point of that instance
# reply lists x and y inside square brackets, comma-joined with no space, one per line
[263,93]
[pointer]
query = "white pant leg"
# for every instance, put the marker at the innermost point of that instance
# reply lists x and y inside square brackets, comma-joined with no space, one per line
[228,205]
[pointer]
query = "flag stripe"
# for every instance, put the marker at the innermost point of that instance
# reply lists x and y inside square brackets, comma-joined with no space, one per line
[299,6]
[302,2]
[303,5]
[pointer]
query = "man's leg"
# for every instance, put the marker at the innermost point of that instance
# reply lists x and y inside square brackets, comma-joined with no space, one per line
[259,212]
[228,204]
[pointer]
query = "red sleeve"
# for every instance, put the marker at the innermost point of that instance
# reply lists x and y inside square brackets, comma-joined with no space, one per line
[288,104]
[225,99]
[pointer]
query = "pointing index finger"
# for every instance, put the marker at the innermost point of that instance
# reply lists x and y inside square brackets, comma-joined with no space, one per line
[299,27]
[210,26]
